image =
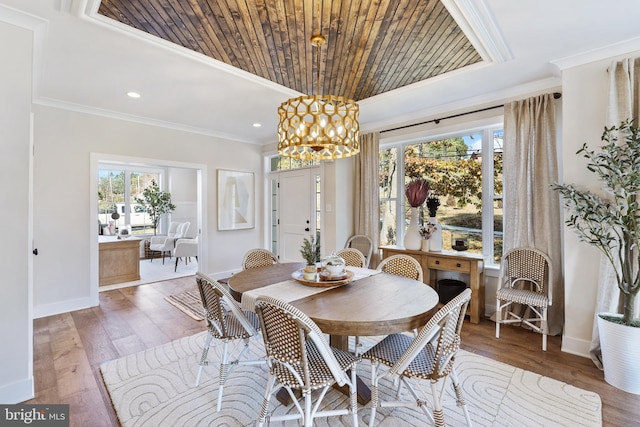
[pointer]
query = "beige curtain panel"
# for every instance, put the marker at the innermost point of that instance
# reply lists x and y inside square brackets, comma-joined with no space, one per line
[367,200]
[531,206]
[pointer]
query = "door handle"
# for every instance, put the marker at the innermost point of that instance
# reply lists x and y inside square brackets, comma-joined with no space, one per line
[35,251]
[306,229]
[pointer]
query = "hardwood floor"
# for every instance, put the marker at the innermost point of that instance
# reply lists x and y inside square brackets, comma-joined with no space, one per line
[70,347]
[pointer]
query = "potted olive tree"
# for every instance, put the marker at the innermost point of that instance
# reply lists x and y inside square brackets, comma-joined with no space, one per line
[155,202]
[611,223]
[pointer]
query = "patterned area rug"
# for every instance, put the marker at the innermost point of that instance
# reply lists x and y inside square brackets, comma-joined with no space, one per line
[189,303]
[156,388]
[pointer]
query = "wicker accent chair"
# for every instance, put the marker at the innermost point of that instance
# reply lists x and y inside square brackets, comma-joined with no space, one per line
[402,265]
[524,290]
[301,359]
[430,356]
[352,257]
[258,258]
[226,322]
[363,244]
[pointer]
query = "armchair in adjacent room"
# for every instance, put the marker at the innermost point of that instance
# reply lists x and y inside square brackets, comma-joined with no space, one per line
[164,244]
[185,248]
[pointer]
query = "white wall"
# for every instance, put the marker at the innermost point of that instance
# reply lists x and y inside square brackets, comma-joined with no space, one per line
[183,186]
[16,369]
[584,109]
[62,222]
[337,199]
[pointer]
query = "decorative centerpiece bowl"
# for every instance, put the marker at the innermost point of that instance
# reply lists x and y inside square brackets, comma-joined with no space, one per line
[333,266]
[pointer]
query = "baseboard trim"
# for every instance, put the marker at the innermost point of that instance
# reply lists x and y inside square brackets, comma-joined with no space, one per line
[576,346]
[44,310]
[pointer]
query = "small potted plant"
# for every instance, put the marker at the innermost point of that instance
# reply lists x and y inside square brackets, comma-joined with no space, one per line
[310,252]
[612,224]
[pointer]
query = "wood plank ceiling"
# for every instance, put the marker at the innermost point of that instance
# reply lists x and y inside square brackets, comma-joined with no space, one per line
[372,46]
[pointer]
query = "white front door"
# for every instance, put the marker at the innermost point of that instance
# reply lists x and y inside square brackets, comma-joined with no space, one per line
[296,209]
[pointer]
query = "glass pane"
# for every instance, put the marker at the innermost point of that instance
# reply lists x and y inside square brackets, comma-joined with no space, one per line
[388,223]
[453,168]
[274,215]
[139,219]
[497,230]
[388,173]
[279,163]
[497,195]
[110,196]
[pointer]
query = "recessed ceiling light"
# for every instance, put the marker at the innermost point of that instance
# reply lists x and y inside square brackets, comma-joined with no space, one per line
[133,94]
[257,125]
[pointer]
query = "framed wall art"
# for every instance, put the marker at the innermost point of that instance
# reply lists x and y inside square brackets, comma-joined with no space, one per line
[236,200]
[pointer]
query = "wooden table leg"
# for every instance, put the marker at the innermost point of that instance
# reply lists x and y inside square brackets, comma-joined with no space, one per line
[364,392]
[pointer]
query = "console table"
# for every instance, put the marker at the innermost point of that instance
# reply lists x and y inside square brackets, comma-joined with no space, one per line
[459,262]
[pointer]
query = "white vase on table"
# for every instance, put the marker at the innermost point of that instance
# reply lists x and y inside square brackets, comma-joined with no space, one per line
[412,238]
[435,241]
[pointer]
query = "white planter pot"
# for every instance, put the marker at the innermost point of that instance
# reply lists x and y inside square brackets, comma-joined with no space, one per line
[620,354]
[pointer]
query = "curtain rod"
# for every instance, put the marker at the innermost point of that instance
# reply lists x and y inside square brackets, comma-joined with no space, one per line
[556,95]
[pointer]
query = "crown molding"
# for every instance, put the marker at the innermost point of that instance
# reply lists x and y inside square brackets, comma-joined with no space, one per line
[478,25]
[54,103]
[621,48]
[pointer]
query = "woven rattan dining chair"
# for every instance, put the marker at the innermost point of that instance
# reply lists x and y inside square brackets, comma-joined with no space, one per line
[226,322]
[352,257]
[524,290]
[363,244]
[430,356]
[258,258]
[301,359]
[402,265]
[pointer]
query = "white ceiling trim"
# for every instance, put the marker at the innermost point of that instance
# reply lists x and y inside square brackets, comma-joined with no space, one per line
[54,103]
[92,15]
[480,28]
[616,49]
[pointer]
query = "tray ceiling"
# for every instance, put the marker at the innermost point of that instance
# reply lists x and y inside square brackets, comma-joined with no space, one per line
[373,46]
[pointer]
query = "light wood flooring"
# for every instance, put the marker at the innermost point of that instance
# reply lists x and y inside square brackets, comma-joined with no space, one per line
[70,347]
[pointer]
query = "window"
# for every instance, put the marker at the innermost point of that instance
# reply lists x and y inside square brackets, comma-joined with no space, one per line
[117,190]
[281,163]
[460,176]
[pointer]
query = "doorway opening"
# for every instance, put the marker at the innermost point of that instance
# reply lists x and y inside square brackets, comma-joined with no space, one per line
[123,178]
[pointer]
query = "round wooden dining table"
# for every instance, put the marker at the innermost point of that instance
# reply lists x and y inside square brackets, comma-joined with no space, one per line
[379,304]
